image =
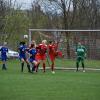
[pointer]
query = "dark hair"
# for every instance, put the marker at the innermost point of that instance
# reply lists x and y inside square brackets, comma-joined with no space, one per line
[50,42]
[22,43]
[32,45]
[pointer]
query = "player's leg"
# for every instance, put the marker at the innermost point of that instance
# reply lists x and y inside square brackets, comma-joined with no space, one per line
[31,62]
[35,64]
[82,62]
[52,67]
[28,65]
[77,63]
[4,65]
[44,65]
[22,64]
[43,60]
[33,67]
[4,59]
[38,59]
[52,58]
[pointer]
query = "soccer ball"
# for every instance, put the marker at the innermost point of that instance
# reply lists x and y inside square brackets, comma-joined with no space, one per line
[25,36]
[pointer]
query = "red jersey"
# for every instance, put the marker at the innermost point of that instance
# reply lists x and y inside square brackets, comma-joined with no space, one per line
[41,49]
[52,49]
[53,52]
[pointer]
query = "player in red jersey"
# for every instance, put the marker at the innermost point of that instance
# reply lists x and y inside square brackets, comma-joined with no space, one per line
[53,53]
[41,53]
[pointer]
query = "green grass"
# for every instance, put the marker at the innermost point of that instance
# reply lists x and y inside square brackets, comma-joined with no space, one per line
[64,85]
[72,63]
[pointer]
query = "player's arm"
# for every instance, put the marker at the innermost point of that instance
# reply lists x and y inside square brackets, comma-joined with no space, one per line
[1,49]
[30,55]
[7,49]
[18,49]
[85,51]
[38,47]
[29,51]
[75,48]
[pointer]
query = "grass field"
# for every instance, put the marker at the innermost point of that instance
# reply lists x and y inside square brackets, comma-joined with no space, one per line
[64,85]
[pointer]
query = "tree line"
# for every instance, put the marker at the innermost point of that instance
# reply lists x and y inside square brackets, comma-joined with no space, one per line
[50,14]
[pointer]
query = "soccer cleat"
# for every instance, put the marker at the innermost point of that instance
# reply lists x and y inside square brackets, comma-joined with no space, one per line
[53,72]
[83,70]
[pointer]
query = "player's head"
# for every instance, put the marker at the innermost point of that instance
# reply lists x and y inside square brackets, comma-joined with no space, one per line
[33,42]
[44,41]
[55,41]
[22,43]
[79,43]
[32,45]
[50,42]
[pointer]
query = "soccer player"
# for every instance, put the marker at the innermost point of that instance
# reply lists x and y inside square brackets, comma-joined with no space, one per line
[52,47]
[81,54]
[53,53]
[32,52]
[41,53]
[4,51]
[22,54]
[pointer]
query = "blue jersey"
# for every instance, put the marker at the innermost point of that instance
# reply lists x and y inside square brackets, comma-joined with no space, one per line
[4,51]
[32,54]
[22,51]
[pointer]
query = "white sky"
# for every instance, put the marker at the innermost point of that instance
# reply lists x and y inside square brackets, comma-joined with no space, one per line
[25,4]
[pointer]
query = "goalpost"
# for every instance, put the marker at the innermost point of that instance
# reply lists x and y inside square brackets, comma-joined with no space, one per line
[90,38]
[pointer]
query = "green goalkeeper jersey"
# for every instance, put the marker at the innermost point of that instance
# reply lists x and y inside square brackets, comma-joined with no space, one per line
[81,51]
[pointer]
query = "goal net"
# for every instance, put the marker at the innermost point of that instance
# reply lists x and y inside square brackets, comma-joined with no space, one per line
[68,40]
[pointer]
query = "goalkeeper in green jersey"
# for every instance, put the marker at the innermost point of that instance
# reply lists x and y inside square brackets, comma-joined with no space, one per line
[81,55]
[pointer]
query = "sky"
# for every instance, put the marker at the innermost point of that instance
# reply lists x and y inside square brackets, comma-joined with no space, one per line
[25,4]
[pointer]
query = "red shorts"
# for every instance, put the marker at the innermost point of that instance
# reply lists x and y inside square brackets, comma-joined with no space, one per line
[40,57]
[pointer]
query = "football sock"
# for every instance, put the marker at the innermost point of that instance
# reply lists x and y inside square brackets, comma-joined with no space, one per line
[37,67]
[43,67]
[83,65]
[77,65]
[22,66]
[33,68]
[28,66]
[52,66]
[3,67]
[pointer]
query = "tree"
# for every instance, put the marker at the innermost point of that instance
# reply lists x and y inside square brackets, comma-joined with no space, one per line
[17,25]
[2,15]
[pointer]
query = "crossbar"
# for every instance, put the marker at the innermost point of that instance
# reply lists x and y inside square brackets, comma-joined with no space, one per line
[62,30]
[58,30]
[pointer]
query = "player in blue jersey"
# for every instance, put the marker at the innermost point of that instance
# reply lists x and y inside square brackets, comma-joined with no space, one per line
[22,54]
[4,51]
[32,58]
